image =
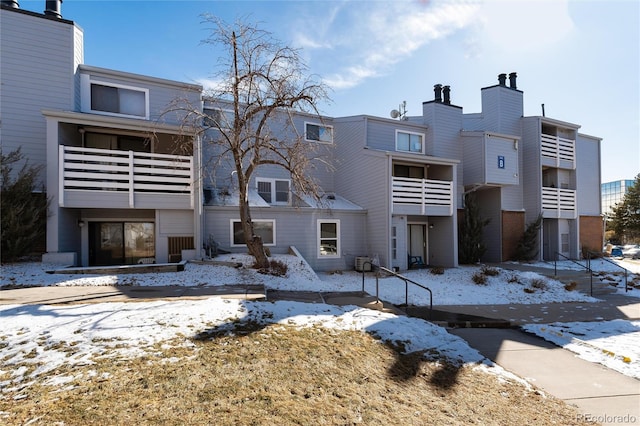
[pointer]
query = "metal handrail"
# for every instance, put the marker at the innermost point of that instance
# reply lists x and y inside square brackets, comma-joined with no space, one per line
[406,280]
[599,256]
[587,267]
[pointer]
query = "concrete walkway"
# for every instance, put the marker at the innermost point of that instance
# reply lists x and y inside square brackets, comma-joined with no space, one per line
[600,394]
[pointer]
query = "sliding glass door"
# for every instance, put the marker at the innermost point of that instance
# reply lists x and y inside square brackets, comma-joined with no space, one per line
[121,243]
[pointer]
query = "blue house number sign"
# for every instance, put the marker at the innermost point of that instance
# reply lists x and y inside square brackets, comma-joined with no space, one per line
[501,161]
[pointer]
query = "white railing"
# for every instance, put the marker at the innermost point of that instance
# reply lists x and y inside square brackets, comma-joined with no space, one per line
[423,192]
[93,169]
[558,148]
[559,200]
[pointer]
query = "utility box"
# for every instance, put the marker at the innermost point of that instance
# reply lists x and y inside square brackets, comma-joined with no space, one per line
[363,264]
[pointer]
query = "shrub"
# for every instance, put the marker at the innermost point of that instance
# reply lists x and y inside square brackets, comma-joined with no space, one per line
[276,268]
[513,279]
[437,270]
[571,286]
[24,210]
[479,278]
[489,271]
[539,283]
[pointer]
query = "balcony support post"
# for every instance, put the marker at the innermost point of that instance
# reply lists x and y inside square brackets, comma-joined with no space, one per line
[131,181]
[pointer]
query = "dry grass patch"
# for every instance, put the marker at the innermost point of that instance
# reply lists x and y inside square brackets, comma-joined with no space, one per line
[281,375]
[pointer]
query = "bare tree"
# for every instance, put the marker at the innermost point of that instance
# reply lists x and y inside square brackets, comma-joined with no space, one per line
[264,84]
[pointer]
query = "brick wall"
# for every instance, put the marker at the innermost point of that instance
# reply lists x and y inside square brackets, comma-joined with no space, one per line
[591,233]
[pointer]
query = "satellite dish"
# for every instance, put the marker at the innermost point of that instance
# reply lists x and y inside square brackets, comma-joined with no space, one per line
[394,113]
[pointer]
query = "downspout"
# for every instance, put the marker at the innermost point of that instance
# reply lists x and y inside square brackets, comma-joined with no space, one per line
[390,210]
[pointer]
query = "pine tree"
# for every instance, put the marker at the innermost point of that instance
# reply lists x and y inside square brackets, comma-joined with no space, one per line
[626,215]
[470,244]
[23,209]
[528,247]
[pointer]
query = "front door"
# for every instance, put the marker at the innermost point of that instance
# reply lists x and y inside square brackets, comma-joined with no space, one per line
[417,244]
[120,243]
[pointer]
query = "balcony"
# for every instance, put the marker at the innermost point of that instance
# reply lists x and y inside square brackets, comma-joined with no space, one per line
[103,178]
[559,203]
[422,196]
[558,152]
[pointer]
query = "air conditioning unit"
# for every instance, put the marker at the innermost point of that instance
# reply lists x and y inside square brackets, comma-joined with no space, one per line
[362,265]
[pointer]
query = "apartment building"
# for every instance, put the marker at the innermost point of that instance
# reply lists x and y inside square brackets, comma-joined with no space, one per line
[120,191]
[129,185]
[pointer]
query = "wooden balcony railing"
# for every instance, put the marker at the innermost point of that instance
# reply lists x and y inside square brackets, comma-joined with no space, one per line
[559,149]
[91,169]
[559,202]
[423,192]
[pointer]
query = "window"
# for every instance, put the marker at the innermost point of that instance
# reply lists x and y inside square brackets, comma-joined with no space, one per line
[318,133]
[266,228]
[328,238]
[411,142]
[121,100]
[274,191]
[218,118]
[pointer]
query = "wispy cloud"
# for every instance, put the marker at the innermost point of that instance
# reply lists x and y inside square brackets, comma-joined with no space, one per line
[372,37]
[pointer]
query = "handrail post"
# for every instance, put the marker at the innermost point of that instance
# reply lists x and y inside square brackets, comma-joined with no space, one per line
[377,293]
[406,293]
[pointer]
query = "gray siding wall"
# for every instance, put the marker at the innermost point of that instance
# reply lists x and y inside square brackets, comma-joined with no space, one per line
[444,126]
[364,178]
[588,175]
[39,56]
[218,170]
[531,170]
[161,92]
[295,228]
[473,159]
[502,110]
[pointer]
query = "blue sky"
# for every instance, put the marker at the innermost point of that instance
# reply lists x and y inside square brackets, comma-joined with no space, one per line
[579,58]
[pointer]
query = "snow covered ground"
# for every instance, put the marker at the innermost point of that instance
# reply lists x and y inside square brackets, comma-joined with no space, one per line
[49,336]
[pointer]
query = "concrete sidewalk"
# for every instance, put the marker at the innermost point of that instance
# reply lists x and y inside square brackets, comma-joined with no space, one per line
[600,394]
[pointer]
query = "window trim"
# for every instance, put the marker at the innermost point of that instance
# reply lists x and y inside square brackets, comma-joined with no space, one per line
[273,181]
[273,226]
[87,82]
[310,123]
[398,131]
[319,239]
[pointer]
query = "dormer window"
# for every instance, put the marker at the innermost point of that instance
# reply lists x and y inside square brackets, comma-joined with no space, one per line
[409,141]
[114,99]
[218,118]
[274,191]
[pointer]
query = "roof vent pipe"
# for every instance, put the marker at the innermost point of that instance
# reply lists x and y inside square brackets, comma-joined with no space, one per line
[52,8]
[512,80]
[437,90]
[446,91]
[502,79]
[10,3]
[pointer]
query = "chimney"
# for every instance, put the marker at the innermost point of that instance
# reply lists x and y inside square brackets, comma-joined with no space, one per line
[502,79]
[11,3]
[52,8]
[446,91]
[437,89]
[512,80]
